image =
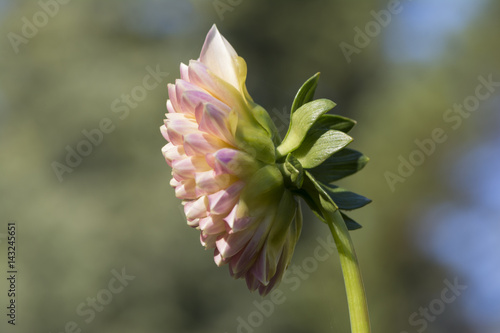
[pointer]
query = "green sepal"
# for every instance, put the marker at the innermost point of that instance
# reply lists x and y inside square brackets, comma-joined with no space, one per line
[341,164]
[294,170]
[300,123]
[322,203]
[305,93]
[319,146]
[315,195]
[345,199]
[262,190]
[262,116]
[252,138]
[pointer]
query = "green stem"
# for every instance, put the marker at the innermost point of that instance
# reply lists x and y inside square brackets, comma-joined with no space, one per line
[356,298]
[321,203]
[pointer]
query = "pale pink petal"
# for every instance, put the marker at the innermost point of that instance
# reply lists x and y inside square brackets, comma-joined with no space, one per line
[213,119]
[164,132]
[209,182]
[187,190]
[201,76]
[219,260]
[189,96]
[196,208]
[172,153]
[231,244]
[202,143]
[249,254]
[238,223]
[232,161]
[187,167]
[173,99]
[170,107]
[220,57]
[184,72]
[178,127]
[212,225]
[223,201]
[208,241]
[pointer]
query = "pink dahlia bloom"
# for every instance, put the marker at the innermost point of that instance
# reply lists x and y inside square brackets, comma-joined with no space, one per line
[222,150]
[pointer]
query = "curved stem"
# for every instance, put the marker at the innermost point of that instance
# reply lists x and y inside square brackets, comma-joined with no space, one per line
[356,298]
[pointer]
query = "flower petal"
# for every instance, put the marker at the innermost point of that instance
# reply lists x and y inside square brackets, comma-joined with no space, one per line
[178,126]
[220,57]
[202,143]
[164,132]
[223,201]
[170,107]
[213,119]
[172,153]
[187,190]
[212,225]
[233,162]
[208,241]
[209,182]
[196,208]
[172,95]
[248,256]
[184,72]
[189,96]
[230,244]
[187,167]
[238,223]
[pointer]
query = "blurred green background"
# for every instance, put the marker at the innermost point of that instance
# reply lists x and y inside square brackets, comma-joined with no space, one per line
[402,71]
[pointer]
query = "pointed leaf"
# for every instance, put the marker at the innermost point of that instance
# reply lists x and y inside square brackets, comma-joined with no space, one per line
[306,92]
[300,123]
[350,223]
[341,164]
[320,146]
[335,122]
[345,199]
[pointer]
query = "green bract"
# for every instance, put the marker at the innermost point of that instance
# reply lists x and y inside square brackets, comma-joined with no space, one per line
[313,154]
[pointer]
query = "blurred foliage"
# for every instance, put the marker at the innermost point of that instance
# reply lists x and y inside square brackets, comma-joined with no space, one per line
[116,209]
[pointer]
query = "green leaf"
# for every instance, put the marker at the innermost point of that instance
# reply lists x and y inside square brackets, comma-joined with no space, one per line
[319,146]
[335,122]
[341,164]
[300,123]
[305,93]
[350,223]
[345,199]
[295,170]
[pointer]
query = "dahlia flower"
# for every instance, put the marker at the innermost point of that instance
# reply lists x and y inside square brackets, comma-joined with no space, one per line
[238,181]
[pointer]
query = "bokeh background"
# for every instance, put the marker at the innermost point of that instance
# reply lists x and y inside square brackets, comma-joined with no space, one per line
[116,211]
